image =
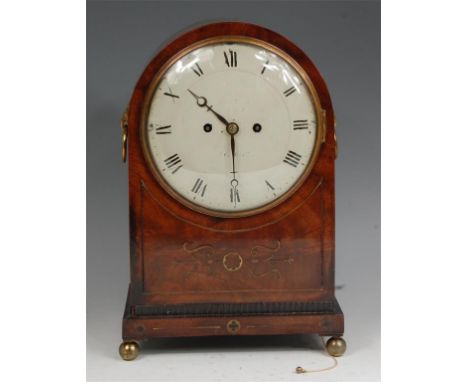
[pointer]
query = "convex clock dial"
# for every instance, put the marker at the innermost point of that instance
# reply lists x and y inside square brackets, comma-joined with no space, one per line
[232,127]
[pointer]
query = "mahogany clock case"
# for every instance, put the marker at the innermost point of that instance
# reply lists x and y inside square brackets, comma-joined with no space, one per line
[197,275]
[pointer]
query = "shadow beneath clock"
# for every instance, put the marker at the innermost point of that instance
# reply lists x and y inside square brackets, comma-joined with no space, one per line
[232,343]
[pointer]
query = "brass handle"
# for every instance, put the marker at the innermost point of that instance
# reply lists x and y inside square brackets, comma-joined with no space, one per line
[336,147]
[324,125]
[334,135]
[124,128]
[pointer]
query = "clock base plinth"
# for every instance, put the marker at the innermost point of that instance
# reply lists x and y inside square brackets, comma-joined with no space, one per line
[143,327]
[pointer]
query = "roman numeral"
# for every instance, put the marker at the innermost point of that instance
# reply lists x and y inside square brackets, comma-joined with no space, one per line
[269,185]
[300,124]
[264,67]
[197,187]
[163,129]
[231,59]
[198,71]
[292,158]
[235,195]
[171,95]
[289,91]
[172,162]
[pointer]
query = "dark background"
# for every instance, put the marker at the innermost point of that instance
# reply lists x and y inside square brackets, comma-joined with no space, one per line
[343,40]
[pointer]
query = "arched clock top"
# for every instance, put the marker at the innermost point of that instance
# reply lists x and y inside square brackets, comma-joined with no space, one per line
[230,120]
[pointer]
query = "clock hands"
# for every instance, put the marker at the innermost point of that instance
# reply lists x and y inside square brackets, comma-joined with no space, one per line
[233,153]
[232,128]
[234,182]
[203,102]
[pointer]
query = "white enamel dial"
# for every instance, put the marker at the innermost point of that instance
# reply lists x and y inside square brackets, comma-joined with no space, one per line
[226,98]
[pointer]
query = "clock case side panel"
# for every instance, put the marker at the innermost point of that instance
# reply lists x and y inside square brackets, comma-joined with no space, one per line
[141,179]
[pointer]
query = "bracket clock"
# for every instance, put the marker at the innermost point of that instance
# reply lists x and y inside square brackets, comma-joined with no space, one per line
[231,145]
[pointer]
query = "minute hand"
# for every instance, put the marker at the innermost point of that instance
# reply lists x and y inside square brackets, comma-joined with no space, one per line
[233,152]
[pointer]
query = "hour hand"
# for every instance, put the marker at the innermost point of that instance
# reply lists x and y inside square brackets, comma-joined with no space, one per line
[220,117]
[203,102]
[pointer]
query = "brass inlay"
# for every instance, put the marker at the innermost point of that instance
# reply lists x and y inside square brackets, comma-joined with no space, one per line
[232,268]
[233,326]
[198,327]
[209,327]
[206,259]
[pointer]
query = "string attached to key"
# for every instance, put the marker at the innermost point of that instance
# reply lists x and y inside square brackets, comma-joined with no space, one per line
[301,370]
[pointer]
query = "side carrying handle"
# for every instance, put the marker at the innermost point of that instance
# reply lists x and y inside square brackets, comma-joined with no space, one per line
[334,135]
[324,125]
[324,130]
[124,128]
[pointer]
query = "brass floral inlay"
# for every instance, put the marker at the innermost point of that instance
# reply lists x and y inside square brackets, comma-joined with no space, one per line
[262,260]
[231,258]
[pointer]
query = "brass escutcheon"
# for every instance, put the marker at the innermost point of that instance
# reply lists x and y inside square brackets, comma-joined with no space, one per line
[232,268]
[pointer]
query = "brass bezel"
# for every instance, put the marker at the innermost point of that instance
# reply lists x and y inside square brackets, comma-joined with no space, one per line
[319,137]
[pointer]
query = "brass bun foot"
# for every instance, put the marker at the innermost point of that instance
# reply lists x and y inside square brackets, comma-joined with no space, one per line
[129,350]
[336,346]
